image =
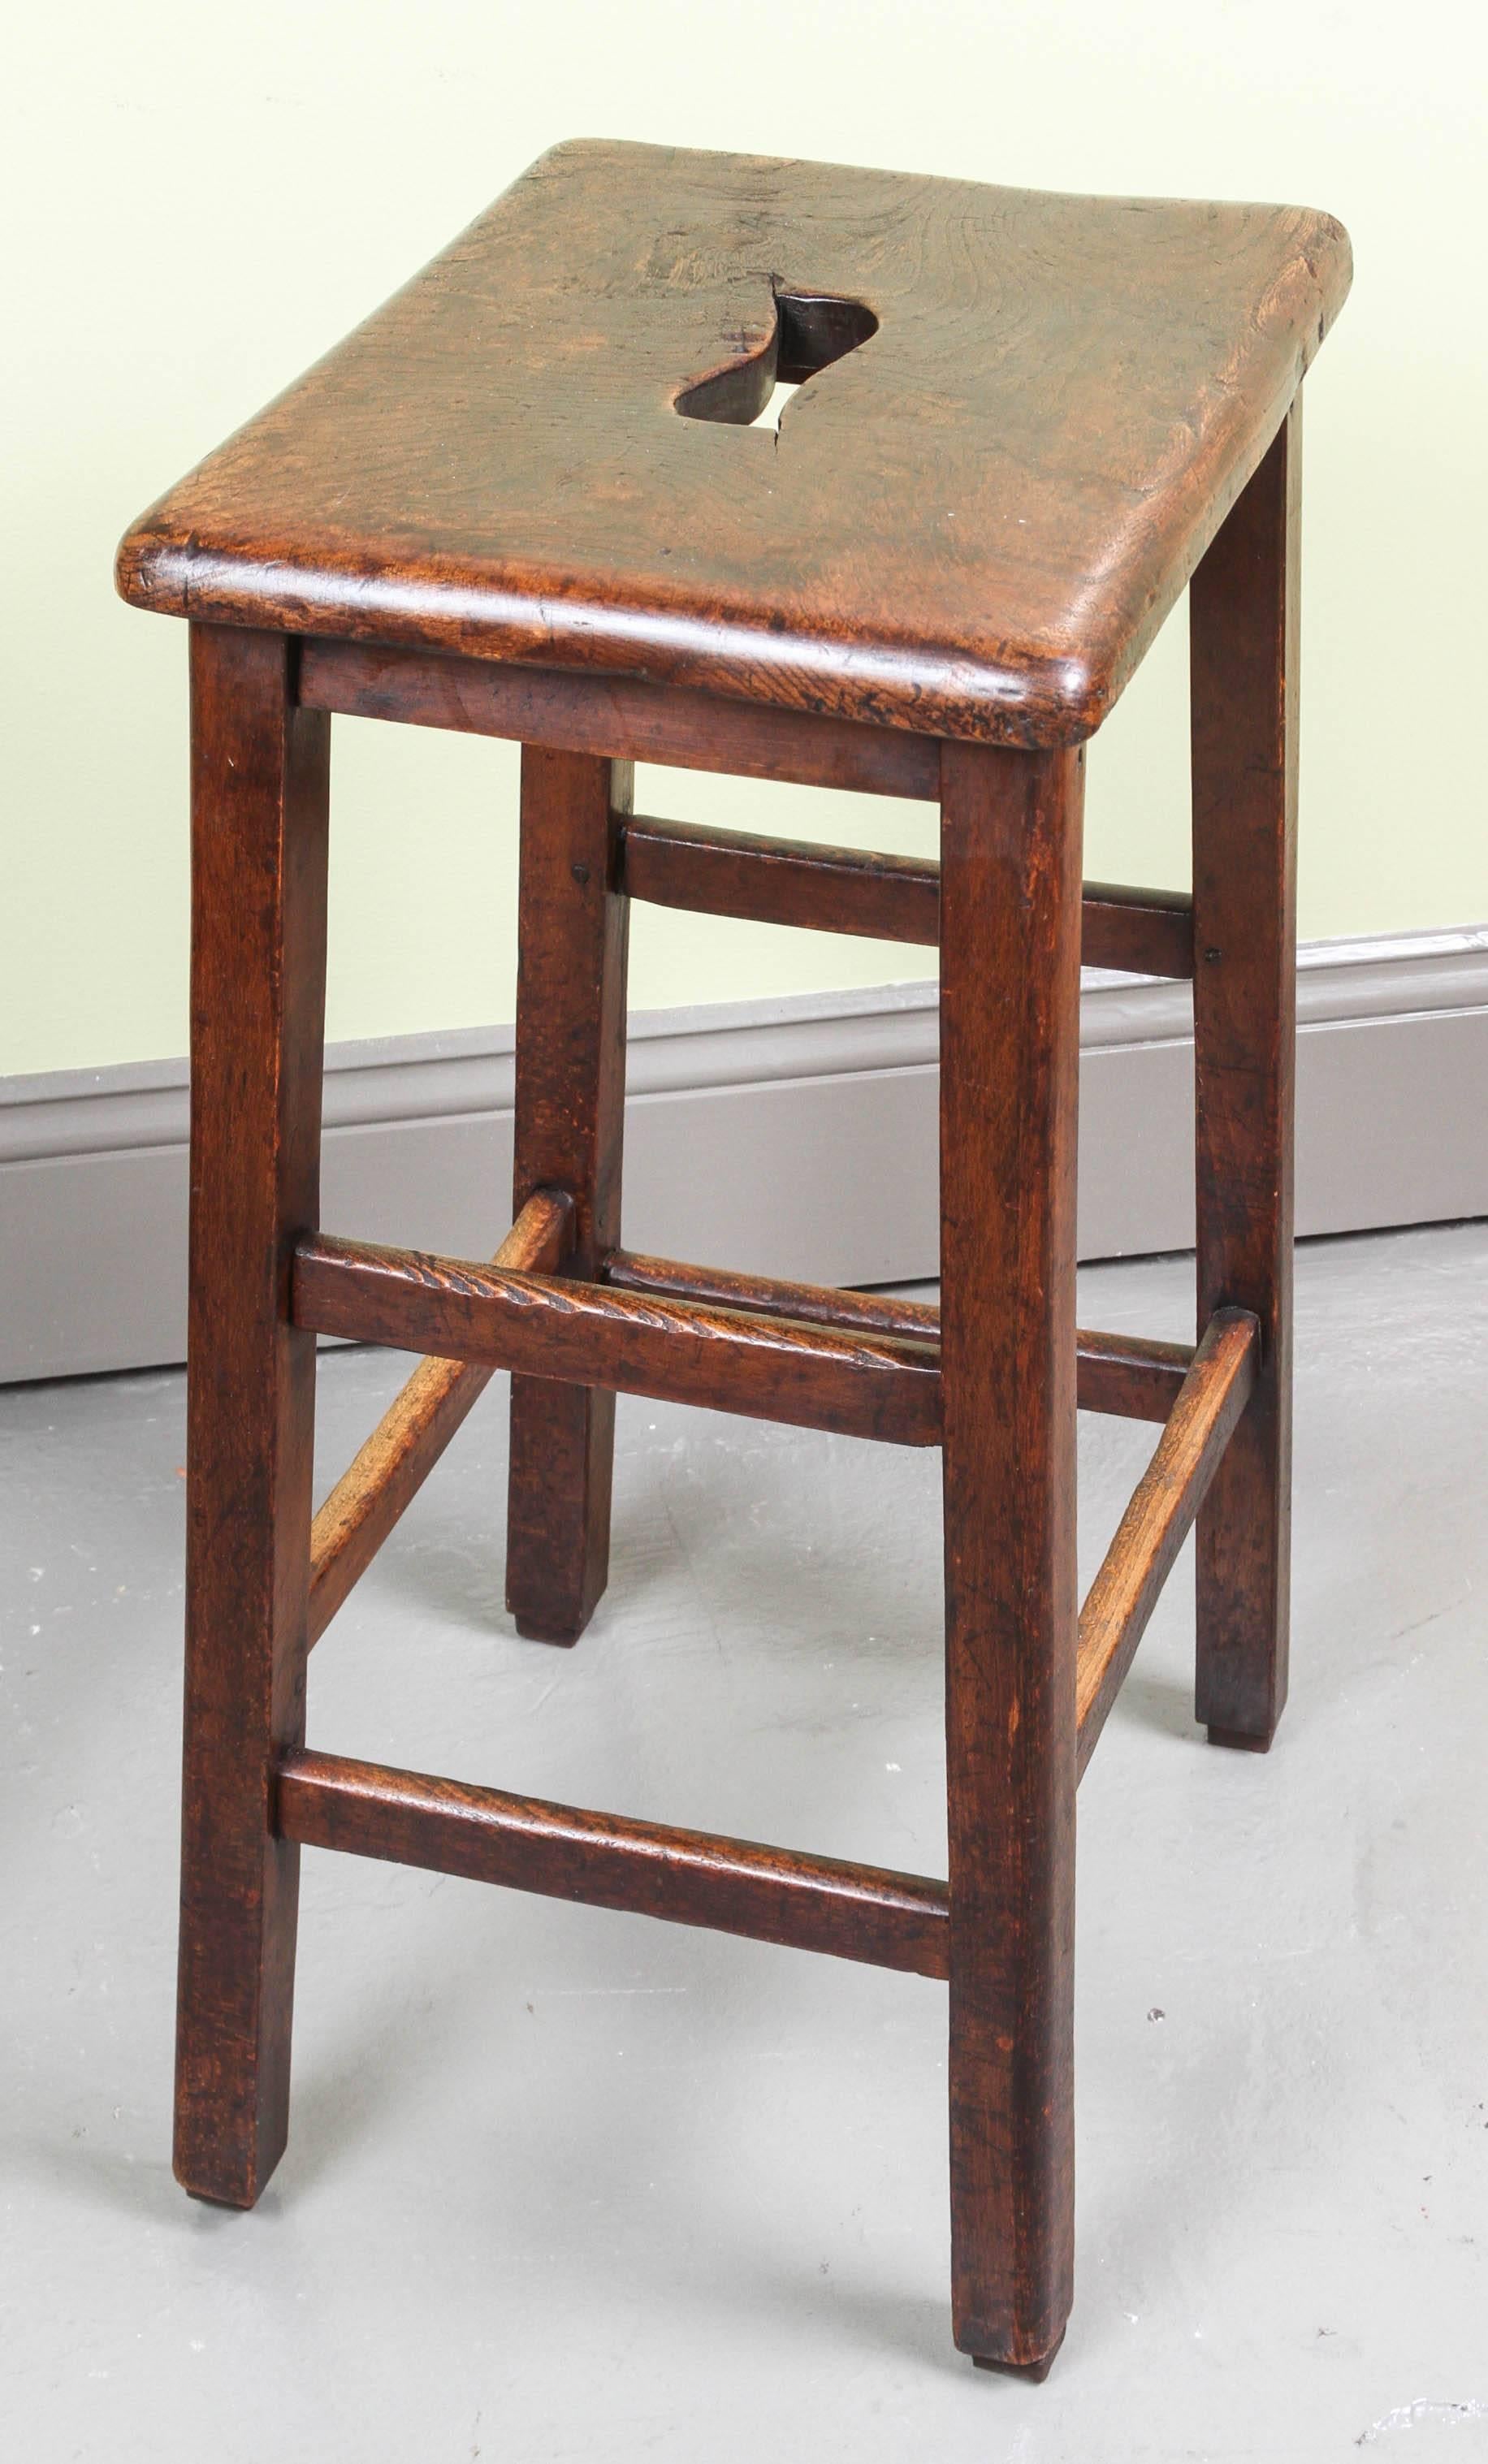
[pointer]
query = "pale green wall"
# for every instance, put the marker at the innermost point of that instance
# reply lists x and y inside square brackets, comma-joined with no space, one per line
[203,199]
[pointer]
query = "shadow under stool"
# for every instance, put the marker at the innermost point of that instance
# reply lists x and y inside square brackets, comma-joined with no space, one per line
[529,498]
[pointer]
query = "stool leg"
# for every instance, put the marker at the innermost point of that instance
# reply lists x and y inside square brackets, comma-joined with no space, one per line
[259,782]
[1009,1052]
[572,928]
[1243,619]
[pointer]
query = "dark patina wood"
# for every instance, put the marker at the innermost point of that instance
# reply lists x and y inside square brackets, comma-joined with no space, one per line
[592,1337]
[1127,1374]
[1009,1073]
[524,500]
[259,782]
[772,1894]
[1243,620]
[572,925]
[1137,932]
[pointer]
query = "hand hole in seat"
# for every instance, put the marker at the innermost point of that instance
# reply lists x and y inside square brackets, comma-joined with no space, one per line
[812,330]
[780,395]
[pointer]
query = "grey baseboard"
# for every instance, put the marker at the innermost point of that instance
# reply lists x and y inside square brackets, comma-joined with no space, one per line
[792,1138]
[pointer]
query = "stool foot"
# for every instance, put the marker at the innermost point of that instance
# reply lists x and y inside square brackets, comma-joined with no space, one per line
[1037,2371]
[1239,1741]
[533,1633]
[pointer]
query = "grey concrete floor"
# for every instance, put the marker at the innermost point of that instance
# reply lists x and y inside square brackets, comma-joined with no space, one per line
[566,2184]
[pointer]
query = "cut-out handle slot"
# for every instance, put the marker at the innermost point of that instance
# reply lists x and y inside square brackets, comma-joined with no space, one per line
[812,329]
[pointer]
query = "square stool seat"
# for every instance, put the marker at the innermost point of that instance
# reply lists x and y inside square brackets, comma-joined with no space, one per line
[1023,417]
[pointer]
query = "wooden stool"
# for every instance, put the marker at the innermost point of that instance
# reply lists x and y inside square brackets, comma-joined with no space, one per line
[525,500]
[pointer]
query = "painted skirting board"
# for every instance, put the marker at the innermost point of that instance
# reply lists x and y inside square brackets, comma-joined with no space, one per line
[792,1137]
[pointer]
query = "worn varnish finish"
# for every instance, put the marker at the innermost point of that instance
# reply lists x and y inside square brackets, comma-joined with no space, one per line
[627,1271]
[1009,1072]
[1122,1373]
[522,500]
[259,780]
[774,1894]
[972,525]
[389,1471]
[571,934]
[859,1385]
[1243,630]
[1161,1514]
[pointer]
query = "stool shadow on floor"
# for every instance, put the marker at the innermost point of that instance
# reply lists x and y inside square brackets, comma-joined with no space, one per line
[1163,1703]
[392,2039]
[705,2254]
[97,2177]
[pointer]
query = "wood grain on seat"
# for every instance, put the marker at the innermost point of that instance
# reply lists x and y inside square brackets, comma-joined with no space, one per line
[975,514]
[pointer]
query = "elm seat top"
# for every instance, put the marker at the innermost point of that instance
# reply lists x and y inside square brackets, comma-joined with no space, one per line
[1024,417]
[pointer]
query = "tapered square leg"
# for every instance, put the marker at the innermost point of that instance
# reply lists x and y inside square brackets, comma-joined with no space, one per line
[1244,620]
[259,782]
[1009,1038]
[569,1120]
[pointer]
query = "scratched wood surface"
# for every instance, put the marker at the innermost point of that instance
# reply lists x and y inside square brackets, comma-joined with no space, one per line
[970,525]
[819,1904]
[590,1338]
